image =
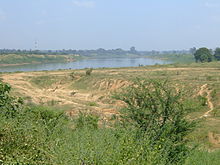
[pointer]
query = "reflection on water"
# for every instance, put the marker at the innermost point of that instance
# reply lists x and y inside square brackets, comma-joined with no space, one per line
[89,63]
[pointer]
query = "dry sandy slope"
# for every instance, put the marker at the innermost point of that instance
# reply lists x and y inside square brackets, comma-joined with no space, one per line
[59,92]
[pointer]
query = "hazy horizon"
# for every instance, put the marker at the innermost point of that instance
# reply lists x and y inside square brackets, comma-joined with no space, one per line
[110,24]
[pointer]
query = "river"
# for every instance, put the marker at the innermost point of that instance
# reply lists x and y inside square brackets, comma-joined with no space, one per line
[87,63]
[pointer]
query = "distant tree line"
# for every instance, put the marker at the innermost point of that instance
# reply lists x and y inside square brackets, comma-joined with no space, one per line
[99,51]
[205,54]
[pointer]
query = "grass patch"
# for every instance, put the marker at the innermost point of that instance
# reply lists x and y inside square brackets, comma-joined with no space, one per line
[92,104]
[204,158]
[44,81]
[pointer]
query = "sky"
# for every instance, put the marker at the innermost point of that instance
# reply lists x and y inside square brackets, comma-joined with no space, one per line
[109,24]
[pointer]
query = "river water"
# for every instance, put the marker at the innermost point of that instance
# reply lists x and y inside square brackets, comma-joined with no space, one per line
[88,63]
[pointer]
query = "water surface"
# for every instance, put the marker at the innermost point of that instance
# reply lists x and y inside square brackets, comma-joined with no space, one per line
[88,63]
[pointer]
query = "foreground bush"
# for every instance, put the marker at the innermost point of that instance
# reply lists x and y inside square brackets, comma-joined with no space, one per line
[29,137]
[157,110]
[26,134]
[153,131]
[9,105]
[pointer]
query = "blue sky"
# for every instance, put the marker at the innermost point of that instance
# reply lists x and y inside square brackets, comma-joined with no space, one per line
[91,24]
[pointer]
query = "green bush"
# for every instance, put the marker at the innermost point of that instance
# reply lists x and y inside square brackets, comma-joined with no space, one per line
[87,120]
[27,134]
[152,130]
[9,105]
[31,136]
[156,109]
[202,100]
[89,72]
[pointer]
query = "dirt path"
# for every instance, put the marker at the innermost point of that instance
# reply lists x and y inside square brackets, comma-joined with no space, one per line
[204,90]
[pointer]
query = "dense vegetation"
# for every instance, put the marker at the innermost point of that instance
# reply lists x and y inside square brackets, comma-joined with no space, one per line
[175,58]
[20,57]
[217,54]
[203,55]
[29,59]
[17,56]
[98,52]
[152,129]
[206,55]
[13,56]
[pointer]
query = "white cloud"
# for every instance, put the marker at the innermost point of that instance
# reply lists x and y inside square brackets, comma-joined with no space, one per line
[212,5]
[83,3]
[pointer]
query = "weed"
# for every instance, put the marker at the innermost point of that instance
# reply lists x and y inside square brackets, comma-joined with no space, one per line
[89,72]
[92,104]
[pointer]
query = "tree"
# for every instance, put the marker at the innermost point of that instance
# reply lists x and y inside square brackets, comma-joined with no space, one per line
[192,50]
[203,55]
[156,109]
[133,49]
[217,54]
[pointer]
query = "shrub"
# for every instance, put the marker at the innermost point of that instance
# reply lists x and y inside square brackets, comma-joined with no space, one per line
[156,109]
[92,104]
[27,134]
[72,75]
[87,120]
[89,72]
[8,105]
[153,131]
[32,136]
[202,100]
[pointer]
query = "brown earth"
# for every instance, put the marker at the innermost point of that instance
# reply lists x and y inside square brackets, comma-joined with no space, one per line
[62,94]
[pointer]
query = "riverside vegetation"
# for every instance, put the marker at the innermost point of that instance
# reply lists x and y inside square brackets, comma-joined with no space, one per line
[73,118]
[20,59]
